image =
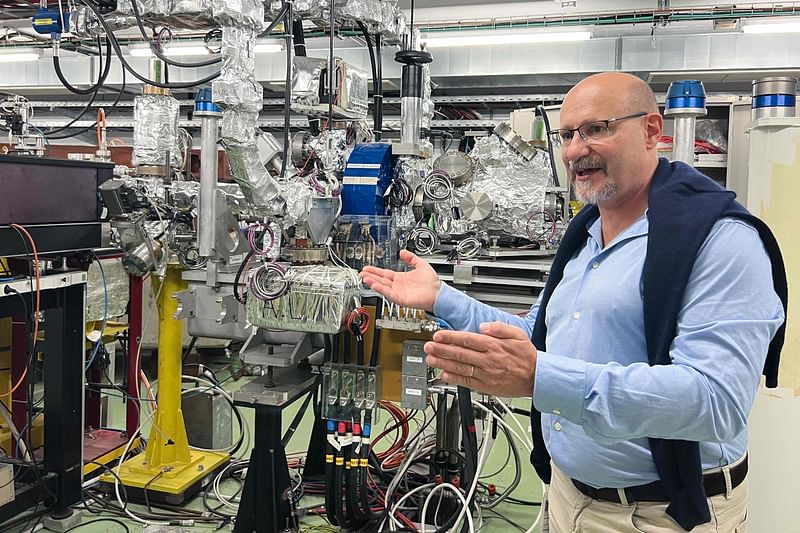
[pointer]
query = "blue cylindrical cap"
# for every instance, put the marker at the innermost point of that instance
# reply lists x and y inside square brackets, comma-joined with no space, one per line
[686,94]
[203,101]
[331,426]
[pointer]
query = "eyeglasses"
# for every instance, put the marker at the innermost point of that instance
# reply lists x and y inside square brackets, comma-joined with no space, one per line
[591,132]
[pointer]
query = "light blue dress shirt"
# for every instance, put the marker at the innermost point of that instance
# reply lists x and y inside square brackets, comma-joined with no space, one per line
[600,400]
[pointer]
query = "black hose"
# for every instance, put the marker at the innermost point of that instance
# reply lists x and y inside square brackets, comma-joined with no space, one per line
[104,69]
[374,66]
[378,96]
[540,109]
[376,336]
[238,277]
[331,67]
[126,65]
[157,52]
[287,88]
[298,417]
[83,111]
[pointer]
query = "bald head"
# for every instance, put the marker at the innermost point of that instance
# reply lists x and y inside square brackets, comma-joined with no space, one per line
[620,93]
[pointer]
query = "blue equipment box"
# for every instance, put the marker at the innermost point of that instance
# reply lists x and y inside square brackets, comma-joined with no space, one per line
[367,175]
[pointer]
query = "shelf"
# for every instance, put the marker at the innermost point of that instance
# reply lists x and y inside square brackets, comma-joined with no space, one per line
[711,163]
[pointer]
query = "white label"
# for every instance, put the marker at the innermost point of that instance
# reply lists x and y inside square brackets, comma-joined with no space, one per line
[414,359]
[364,165]
[414,392]
[360,180]
[238,258]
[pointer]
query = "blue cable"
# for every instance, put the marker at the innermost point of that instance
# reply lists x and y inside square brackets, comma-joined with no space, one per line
[105,314]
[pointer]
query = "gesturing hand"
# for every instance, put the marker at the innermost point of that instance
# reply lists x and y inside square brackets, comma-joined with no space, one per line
[417,288]
[501,361]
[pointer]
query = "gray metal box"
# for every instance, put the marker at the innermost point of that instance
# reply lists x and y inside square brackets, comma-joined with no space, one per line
[414,392]
[414,359]
[208,418]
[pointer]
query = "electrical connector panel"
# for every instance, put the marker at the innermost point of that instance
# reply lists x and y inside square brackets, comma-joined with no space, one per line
[406,319]
[350,391]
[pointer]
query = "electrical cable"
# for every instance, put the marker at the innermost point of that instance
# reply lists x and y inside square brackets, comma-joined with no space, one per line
[543,113]
[287,88]
[105,312]
[104,69]
[155,48]
[126,65]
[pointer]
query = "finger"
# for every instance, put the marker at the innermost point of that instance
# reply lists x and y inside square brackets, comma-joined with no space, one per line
[454,353]
[381,288]
[378,272]
[501,330]
[465,339]
[451,366]
[410,259]
[465,381]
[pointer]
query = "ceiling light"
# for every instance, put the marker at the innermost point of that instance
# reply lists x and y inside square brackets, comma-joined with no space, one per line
[186,51]
[267,48]
[779,27]
[485,38]
[140,51]
[18,55]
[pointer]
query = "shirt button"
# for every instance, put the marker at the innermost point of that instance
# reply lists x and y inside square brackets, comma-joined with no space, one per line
[576,315]
[556,411]
[557,426]
[595,265]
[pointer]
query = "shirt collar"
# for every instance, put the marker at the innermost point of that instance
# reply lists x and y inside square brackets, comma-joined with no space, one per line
[639,228]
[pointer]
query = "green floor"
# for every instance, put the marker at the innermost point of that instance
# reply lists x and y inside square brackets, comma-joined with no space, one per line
[506,514]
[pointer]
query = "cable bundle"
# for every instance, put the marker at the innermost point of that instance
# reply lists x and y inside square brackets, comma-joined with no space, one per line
[263,239]
[268,281]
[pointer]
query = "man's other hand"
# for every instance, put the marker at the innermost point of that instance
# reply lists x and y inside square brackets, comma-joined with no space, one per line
[417,288]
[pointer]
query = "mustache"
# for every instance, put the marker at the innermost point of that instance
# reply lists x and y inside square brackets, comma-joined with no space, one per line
[586,162]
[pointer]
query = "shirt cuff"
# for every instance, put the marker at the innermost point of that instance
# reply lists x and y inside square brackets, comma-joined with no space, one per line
[446,301]
[559,386]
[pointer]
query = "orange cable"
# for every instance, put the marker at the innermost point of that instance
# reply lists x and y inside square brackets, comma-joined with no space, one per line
[38,308]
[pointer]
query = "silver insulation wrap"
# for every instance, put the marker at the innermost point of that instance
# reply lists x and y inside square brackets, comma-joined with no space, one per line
[116,285]
[427,100]
[241,98]
[317,299]
[155,130]
[305,82]
[516,186]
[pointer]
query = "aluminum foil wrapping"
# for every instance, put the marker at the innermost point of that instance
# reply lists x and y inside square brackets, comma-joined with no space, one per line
[116,282]
[297,194]
[258,186]
[155,130]
[397,27]
[237,86]
[239,13]
[184,194]
[318,300]
[84,23]
[306,74]
[356,85]
[175,13]
[333,154]
[516,186]
[303,9]
[367,11]
[427,100]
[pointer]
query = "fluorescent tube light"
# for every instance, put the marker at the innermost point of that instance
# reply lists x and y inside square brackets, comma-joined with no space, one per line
[140,51]
[18,55]
[267,48]
[485,38]
[778,27]
[186,51]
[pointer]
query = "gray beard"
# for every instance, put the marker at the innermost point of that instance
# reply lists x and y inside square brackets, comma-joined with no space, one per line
[587,193]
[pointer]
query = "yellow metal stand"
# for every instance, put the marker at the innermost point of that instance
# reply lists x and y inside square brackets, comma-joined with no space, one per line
[169,471]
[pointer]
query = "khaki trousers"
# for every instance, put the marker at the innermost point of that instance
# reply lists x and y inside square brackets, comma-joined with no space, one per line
[570,511]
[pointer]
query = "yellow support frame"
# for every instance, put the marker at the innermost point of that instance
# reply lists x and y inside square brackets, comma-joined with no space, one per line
[169,469]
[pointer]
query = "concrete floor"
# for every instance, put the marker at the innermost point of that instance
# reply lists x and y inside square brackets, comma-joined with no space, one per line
[523,516]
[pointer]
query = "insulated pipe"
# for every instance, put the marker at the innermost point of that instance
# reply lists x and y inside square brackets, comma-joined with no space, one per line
[686,100]
[209,134]
[411,93]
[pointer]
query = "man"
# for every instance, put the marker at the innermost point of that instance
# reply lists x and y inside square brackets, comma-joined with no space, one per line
[652,332]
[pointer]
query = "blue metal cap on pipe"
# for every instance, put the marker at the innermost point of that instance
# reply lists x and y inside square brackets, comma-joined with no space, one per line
[774,97]
[203,102]
[687,96]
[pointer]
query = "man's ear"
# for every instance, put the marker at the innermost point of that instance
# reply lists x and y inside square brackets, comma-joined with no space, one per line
[654,126]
